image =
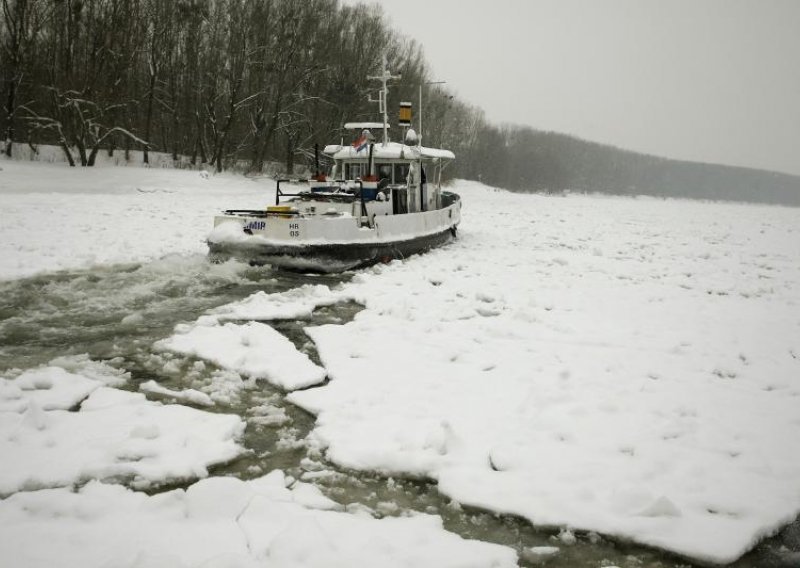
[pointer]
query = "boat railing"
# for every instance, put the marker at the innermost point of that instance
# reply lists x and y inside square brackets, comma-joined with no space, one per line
[360,193]
[339,186]
[279,193]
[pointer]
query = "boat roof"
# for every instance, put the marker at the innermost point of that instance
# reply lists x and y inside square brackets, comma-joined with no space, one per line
[363,125]
[388,151]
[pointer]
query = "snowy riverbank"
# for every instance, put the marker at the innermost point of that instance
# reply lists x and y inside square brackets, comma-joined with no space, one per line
[625,366]
[53,217]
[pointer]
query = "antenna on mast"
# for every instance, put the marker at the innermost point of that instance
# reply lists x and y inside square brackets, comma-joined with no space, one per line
[383,93]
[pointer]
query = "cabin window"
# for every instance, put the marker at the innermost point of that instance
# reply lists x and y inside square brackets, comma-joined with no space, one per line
[400,173]
[354,171]
[384,172]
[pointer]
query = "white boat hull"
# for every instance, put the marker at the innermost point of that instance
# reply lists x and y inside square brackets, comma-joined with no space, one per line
[330,244]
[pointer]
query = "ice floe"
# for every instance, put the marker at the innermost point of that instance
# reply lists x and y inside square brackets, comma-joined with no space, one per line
[253,349]
[223,521]
[191,396]
[297,303]
[59,429]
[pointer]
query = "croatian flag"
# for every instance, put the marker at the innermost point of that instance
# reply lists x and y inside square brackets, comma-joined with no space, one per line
[361,143]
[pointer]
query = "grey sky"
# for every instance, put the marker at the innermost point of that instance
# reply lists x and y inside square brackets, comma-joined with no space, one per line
[706,80]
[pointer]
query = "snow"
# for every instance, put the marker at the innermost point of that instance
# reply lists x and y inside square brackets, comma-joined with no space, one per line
[51,217]
[223,522]
[253,349]
[618,365]
[390,151]
[539,554]
[113,434]
[48,389]
[297,303]
[191,396]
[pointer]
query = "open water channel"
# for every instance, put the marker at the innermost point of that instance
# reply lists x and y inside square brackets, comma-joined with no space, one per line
[115,314]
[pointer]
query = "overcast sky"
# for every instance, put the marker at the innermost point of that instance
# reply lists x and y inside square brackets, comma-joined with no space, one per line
[705,80]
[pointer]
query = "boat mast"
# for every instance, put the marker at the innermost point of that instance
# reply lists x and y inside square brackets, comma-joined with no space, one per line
[384,77]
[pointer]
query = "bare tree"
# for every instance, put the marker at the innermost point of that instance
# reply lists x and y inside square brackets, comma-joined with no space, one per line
[22,22]
[217,80]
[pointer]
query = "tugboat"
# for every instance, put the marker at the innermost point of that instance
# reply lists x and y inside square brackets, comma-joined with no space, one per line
[381,201]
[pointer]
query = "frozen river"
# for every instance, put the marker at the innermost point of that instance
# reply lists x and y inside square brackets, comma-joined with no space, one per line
[117,313]
[576,381]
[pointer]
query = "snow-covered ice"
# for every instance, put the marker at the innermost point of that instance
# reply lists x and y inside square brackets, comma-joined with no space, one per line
[223,521]
[191,396]
[297,303]
[625,366]
[51,217]
[539,554]
[58,428]
[217,521]
[253,349]
[63,425]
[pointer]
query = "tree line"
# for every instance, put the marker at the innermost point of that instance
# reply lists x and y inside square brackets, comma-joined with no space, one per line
[221,82]
[526,159]
[228,83]
[242,83]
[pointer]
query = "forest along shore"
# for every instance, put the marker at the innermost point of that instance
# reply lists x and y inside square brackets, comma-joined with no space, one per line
[225,85]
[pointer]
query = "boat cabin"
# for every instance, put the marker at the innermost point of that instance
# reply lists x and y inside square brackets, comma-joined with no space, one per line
[405,175]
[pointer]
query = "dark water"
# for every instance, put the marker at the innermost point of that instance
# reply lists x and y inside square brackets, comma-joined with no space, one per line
[115,314]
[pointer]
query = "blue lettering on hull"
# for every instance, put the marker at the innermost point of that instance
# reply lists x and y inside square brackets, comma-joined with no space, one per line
[255,226]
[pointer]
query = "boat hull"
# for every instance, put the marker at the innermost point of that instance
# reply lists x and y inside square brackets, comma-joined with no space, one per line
[329,257]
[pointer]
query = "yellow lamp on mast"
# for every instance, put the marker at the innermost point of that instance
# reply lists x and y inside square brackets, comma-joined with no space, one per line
[404,118]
